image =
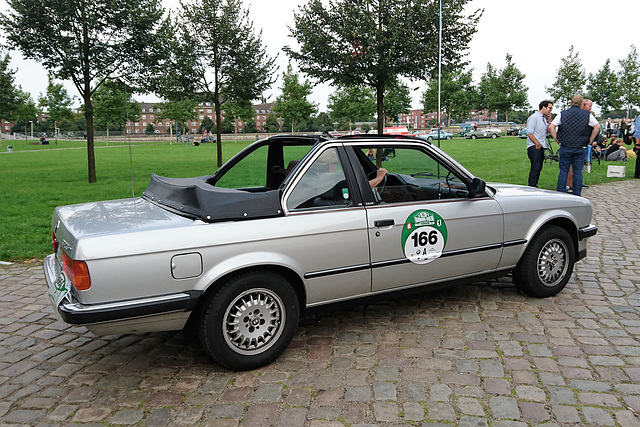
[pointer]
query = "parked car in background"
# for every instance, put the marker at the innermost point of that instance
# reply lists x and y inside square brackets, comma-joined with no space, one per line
[484,133]
[292,222]
[335,134]
[515,131]
[465,131]
[523,133]
[433,135]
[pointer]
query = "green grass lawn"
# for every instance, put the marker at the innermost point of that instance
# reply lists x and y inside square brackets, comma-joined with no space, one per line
[34,179]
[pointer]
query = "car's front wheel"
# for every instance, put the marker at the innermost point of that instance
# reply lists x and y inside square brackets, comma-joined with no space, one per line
[249,321]
[547,263]
[493,135]
[473,137]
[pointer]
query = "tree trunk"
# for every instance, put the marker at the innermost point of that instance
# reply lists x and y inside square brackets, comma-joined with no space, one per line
[216,102]
[380,105]
[91,159]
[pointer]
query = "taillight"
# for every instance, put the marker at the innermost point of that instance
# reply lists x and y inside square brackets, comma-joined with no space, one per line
[77,272]
[55,242]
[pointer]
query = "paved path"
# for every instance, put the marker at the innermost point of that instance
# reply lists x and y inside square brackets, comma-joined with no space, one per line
[469,356]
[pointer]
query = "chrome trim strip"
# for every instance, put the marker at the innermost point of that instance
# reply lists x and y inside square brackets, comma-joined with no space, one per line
[330,272]
[392,262]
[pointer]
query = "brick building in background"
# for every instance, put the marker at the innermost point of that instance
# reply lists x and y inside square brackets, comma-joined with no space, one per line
[149,114]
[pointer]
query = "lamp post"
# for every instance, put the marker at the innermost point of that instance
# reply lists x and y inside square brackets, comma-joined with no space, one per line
[31,122]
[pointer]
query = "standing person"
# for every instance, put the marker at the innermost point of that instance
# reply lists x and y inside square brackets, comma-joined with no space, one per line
[636,148]
[623,128]
[574,129]
[537,125]
[609,128]
[186,139]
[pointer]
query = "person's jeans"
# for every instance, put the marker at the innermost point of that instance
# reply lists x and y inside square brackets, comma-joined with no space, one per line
[536,157]
[571,156]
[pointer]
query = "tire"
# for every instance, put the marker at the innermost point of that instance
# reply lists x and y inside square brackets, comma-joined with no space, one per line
[249,321]
[493,135]
[473,137]
[547,263]
[448,138]
[429,138]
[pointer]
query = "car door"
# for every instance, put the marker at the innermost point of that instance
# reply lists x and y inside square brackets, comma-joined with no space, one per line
[327,228]
[425,227]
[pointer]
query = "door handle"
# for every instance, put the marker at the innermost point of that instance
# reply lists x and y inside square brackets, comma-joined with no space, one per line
[384,223]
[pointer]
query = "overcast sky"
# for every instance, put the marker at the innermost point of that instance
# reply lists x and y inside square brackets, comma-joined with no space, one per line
[536,34]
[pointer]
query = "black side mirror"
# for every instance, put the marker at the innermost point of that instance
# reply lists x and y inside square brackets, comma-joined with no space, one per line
[478,187]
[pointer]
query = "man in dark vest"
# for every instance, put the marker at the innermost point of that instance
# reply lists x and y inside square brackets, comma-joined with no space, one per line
[573,129]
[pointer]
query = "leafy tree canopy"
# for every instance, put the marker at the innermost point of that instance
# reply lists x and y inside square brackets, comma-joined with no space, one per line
[292,105]
[87,42]
[56,103]
[179,110]
[503,90]
[397,99]
[602,88]
[9,99]
[352,103]
[114,105]
[365,42]
[217,55]
[629,78]
[570,79]
[456,94]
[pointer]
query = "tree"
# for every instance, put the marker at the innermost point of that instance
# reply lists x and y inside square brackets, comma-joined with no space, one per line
[57,102]
[206,125]
[570,79]
[271,125]
[398,99]
[355,103]
[114,105]
[365,42]
[629,78]
[9,93]
[456,94]
[503,90]
[240,110]
[179,110]
[9,102]
[26,112]
[602,88]
[87,42]
[217,55]
[292,105]
[149,130]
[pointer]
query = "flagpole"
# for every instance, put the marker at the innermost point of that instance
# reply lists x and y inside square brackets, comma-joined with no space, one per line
[439,68]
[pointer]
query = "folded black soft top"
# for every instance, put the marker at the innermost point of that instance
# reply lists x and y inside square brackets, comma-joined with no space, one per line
[196,198]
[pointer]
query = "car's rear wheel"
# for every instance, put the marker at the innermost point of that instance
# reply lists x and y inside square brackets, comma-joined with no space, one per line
[547,263]
[493,135]
[473,137]
[249,321]
[448,138]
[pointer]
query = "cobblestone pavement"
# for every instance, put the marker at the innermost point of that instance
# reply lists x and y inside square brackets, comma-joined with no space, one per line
[471,356]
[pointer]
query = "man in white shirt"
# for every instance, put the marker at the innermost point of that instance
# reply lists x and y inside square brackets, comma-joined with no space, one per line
[537,125]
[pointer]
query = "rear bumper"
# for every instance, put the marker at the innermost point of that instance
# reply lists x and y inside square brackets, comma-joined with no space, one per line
[71,311]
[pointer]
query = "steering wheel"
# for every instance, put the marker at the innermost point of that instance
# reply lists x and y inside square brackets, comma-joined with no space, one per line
[378,189]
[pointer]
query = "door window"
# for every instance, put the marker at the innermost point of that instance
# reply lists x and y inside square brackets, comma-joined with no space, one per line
[323,185]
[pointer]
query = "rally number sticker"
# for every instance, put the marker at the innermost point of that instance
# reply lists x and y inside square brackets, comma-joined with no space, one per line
[424,236]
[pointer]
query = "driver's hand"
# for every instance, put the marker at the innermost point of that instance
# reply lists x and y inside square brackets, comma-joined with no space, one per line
[380,174]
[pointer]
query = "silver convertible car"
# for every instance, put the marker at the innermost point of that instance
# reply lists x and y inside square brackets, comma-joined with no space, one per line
[294,222]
